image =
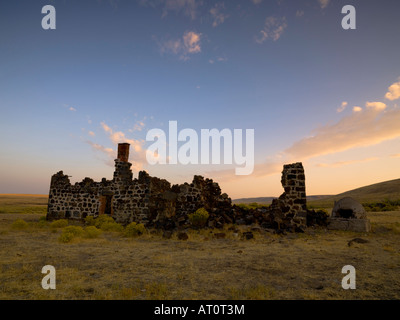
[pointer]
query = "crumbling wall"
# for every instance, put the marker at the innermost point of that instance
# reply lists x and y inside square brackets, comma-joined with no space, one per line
[148,200]
[289,211]
[155,203]
[294,198]
[72,201]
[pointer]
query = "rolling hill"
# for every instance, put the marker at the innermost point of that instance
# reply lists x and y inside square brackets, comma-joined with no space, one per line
[372,193]
[268,200]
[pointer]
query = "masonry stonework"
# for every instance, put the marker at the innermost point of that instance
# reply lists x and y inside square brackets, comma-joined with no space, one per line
[148,200]
[156,203]
[289,211]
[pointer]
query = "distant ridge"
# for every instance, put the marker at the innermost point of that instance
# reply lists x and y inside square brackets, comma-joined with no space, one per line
[268,200]
[377,192]
[373,193]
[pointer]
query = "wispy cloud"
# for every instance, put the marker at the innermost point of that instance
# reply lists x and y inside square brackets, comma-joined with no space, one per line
[138,126]
[273,29]
[378,106]
[342,107]
[185,46]
[91,133]
[191,41]
[365,127]
[120,137]
[323,3]
[70,108]
[105,127]
[218,16]
[109,152]
[137,152]
[219,59]
[188,8]
[260,170]
[394,92]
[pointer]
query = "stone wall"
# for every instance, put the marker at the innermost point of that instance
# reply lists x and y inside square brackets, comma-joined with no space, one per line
[293,182]
[155,203]
[289,211]
[148,200]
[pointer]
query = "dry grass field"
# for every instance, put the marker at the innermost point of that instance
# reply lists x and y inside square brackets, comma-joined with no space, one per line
[112,266]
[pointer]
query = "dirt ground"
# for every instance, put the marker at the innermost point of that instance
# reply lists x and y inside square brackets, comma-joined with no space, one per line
[292,266]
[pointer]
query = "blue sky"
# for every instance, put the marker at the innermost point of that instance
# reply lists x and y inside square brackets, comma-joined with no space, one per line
[112,70]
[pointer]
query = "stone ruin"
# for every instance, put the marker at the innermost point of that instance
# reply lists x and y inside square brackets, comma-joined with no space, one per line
[156,203]
[348,214]
[148,200]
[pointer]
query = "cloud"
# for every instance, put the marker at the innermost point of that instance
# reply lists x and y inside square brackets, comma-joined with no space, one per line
[256,1]
[191,41]
[323,3]
[342,107]
[69,107]
[109,152]
[218,16]
[188,44]
[219,59]
[345,163]
[260,170]
[366,127]
[138,126]
[106,128]
[91,133]
[273,29]
[187,7]
[378,106]
[137,153]
[171,46]
[299,13]
[394,92]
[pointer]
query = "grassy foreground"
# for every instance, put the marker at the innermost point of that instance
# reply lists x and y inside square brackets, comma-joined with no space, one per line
[110,265]
[23,203]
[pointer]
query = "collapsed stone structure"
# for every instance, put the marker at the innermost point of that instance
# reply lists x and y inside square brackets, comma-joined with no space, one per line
[290,208]
[286,213]
[155,203]
[148,200]
[348,214]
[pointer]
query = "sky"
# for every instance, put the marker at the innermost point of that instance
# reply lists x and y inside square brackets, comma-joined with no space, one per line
[111,71]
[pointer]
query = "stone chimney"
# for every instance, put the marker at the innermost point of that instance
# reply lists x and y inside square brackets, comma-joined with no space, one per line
[123,152]
[123,170]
